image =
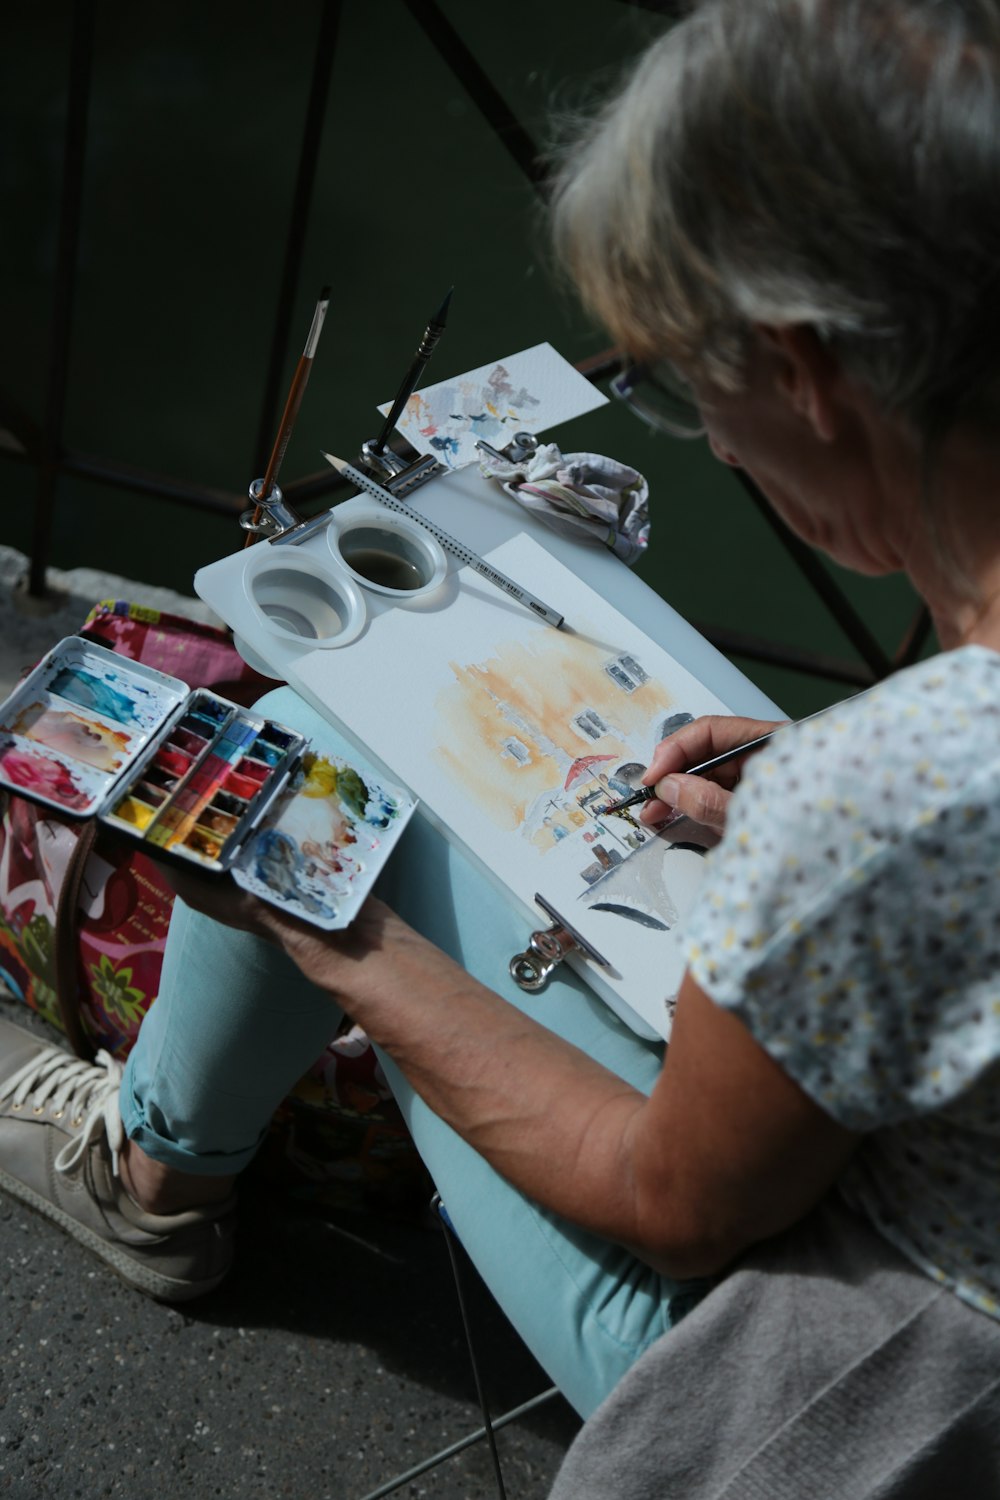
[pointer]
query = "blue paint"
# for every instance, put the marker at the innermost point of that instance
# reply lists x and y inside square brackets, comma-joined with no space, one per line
[279,865]
[88,691]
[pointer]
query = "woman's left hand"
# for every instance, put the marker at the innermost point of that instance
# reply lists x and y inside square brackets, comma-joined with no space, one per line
[322,956]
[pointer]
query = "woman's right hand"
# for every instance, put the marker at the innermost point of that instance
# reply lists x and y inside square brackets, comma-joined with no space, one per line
[703,799]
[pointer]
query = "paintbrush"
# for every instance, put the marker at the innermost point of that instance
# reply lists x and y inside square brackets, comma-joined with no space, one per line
[449,543]
[425,349]
[295,393]
[648,793]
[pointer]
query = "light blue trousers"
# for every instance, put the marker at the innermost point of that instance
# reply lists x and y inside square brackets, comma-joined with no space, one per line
[236,1025]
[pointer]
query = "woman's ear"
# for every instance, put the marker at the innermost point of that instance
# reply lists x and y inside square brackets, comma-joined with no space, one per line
[806,374]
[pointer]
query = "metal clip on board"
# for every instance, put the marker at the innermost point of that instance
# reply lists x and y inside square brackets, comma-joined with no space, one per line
[547,948]
[269,515]
[394,472]
[376,458]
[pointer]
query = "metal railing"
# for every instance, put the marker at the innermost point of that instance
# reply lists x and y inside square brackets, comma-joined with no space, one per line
[44,448]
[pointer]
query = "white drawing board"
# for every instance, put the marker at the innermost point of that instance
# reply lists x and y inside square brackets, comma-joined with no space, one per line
[514,735]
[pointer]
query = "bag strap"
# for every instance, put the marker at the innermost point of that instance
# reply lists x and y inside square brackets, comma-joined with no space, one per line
[67,944]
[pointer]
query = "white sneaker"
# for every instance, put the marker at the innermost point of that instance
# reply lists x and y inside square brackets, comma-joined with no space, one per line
[60,1136]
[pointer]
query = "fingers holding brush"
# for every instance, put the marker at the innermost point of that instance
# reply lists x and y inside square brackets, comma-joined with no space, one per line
[695,770]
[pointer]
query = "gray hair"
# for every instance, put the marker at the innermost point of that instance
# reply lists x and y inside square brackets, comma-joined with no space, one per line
[826,162]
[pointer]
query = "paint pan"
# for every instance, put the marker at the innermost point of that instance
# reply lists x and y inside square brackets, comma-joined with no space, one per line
[154,795]
[157,776]
[255,769]
[217,821]
[273,734]
[226,802]
[241,786]
[191,744]
[204,842]
[206,705]
[200,724]
[270,755]
[132,809]
[172,762]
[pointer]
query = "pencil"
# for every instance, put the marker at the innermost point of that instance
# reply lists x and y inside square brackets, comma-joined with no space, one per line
[457,549]
[295,393]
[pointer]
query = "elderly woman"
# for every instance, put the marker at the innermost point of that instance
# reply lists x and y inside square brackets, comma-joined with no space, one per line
[791,217]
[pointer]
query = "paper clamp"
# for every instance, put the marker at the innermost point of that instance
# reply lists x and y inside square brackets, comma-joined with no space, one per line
[547,948]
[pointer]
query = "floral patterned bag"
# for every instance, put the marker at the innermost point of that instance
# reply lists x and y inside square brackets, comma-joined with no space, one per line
[83,924]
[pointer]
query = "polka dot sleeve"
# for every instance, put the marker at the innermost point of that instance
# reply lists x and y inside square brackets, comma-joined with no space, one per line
[849,916]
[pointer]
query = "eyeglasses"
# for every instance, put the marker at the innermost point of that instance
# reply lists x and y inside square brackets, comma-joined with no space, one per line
[661,397]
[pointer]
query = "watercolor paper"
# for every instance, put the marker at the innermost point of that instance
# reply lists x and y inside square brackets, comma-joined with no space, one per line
[515,736]
[527,392]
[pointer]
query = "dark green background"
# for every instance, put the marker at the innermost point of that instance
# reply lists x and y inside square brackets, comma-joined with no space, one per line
[195,125]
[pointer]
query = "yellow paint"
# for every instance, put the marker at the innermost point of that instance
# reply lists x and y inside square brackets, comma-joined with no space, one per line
[131,810]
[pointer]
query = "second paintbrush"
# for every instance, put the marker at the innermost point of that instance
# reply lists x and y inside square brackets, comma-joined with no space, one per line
[449,543]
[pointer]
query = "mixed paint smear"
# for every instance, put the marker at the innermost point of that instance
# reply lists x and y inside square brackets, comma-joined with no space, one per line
[318,854]
[126,704]
[32,771]
[492,409]
[96,744]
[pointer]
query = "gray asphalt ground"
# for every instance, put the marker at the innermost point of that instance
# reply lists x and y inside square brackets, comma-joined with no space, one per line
[331,1360]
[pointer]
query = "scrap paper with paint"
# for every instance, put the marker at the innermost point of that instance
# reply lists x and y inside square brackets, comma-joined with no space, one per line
[527,392]
[515,737]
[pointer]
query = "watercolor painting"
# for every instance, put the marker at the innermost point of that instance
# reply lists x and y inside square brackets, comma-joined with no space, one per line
[319,853]
[516,737]
[543,740]
[526,392]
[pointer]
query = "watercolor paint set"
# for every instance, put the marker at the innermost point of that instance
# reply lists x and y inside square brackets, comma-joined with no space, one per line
[192,778]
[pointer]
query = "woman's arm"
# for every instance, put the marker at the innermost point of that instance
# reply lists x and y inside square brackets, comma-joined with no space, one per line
[726,1151]
[735,1148]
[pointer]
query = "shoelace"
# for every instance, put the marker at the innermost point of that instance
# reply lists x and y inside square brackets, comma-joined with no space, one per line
[88,1090]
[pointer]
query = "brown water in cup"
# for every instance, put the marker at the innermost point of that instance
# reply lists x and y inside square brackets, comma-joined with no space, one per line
[385,568]
[388,559]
